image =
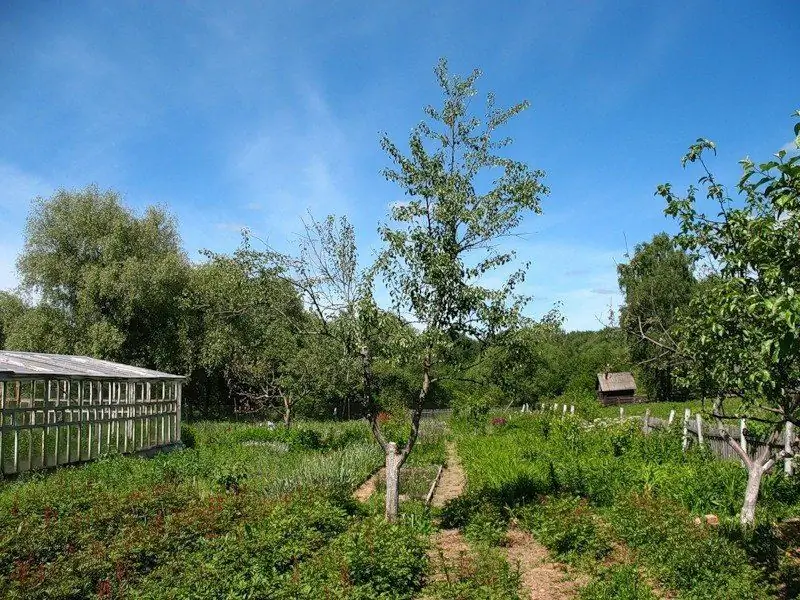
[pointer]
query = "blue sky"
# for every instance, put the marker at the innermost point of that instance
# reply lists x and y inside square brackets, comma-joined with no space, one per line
[237,115]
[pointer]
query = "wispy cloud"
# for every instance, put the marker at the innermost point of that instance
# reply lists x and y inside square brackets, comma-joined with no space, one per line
[295,162]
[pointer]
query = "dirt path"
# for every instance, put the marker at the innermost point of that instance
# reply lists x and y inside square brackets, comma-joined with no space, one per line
[453,480]
[541,578]
[366,489]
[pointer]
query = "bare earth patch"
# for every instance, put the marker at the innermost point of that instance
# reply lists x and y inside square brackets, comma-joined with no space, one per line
[366,489]
[453,480]
[542,579]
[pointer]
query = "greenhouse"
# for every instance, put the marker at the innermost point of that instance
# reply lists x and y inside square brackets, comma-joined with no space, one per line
[58,410]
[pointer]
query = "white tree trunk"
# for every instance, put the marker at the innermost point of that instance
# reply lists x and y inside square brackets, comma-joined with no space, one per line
[392,481]
[754,474]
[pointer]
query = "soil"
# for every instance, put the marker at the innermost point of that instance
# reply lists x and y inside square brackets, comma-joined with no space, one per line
[542,579]
[366,489]
[453,480]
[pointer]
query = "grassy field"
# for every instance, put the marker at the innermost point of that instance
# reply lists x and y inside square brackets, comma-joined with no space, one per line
[621,506]
[252,512]
[247,512]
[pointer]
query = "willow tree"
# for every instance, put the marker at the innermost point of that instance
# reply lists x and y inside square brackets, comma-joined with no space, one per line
[741,335]
[443,245]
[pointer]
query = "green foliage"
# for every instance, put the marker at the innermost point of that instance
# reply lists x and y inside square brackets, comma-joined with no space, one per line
[567,527]
[620,582]
[446,219]
[488,526]
[644,486]
[108,280]
[235,516]
[483,575]
[695,560]
[657,281]
[741,333]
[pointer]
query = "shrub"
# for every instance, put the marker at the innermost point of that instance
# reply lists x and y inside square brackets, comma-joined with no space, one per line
[187,435]
[483,575]
[695,560]
[620,582]
[567,527]
[487,526]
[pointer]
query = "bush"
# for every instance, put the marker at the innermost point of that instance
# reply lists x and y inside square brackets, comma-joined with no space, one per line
[488,526]
[567,527]
[695,560]
[620,582]
[187,435]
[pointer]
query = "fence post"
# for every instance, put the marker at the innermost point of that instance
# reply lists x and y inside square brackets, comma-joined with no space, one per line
[564,411]
[671,418]
[572,409]
[788,462]
[621,412]
[555,406]
[699,419]
[742,437]
[646,427]
[686,414]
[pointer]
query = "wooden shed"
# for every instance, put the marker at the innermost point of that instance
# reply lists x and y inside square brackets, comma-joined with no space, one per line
[57,409]
[616,388]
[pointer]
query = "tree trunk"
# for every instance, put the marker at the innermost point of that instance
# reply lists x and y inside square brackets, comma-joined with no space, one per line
[287,412]
[754,474]
[392,482]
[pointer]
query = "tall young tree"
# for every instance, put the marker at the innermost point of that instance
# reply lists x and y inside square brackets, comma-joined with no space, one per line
[742,334]
[442,243]
[657,280]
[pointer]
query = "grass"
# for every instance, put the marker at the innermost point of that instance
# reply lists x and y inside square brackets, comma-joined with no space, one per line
[580,490]
[248,512]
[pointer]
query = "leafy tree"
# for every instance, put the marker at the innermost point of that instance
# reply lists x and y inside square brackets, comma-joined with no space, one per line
[530,363]
[247,322]
[114,277]
[657,281]
[741,336]
[442,243]
[12,308]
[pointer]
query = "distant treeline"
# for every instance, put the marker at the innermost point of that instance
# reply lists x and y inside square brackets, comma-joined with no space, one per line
[100,280]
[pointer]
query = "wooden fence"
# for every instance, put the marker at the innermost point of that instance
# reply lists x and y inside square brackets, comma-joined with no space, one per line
[695,431]
[49,422]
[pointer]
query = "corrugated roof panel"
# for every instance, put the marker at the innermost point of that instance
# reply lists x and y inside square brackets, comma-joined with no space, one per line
[26,364]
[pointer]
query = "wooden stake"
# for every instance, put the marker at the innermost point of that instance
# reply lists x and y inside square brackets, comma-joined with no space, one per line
[671,417]
[742,437]
[685,442]
[788,462]
[699,419]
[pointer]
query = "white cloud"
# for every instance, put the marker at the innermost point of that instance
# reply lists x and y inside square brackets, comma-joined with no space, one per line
[295,162]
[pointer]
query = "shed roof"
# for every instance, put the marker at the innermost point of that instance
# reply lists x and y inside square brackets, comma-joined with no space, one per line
[34,364]
[615,382]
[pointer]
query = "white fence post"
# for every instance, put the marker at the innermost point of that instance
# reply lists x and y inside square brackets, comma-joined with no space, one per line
[788,462]
[686,414]
[671,417]
[572,409]
[699,419]
[646,427]
[742,438]
[564,410]
[621,412]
